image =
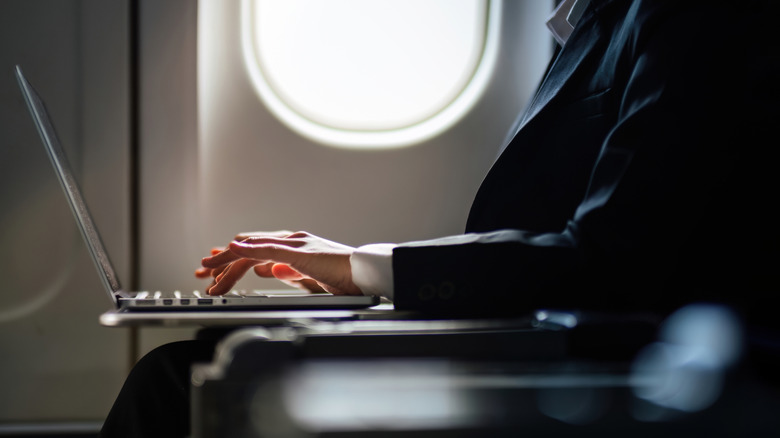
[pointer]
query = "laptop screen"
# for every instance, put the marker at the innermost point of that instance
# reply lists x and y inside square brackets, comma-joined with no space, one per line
[69,185]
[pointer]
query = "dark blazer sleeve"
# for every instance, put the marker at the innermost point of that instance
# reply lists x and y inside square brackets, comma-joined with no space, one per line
[679,199]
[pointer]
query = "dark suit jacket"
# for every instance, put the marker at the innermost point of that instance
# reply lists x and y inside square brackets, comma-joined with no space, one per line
[640,177]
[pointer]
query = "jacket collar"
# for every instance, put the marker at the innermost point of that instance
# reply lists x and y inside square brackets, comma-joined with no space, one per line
[583,39]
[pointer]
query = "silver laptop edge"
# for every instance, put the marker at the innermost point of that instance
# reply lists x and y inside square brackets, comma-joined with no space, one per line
[69,185]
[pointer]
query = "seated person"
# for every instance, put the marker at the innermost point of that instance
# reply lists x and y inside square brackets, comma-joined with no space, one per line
[639,178]
[642,165]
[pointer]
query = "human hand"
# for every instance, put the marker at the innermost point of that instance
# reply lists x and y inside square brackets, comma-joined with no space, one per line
[261,270]
[281,272]
[295,258]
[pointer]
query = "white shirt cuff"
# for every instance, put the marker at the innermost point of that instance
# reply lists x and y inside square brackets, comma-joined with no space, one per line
[372,269]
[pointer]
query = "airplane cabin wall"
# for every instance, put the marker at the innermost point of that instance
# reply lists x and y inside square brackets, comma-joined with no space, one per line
[57,364]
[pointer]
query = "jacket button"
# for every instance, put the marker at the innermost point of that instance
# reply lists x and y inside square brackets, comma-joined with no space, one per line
[427,292]
[446,290]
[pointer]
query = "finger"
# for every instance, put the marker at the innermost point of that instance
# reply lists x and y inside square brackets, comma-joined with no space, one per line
[221,258]
[216,272]
[225,281]
[203,273]
[264,270]
[285,272]
[212,284]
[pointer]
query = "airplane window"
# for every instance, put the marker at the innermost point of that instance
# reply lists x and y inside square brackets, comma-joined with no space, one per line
[370,74]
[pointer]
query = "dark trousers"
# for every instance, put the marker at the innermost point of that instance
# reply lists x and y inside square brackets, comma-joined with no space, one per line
[155,399]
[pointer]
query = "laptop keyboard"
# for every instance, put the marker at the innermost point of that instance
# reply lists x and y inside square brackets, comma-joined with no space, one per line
[187,298]
[157,295]
[156,298]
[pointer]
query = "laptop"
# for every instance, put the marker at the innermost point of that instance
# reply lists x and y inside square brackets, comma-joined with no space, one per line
[158,301]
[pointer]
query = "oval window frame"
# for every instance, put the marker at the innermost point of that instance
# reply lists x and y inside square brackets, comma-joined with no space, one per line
[415,133]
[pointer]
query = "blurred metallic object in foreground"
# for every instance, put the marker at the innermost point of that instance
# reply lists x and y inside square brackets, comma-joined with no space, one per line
[685,370]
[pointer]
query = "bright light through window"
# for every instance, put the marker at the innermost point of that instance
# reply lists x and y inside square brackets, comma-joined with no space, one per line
[369,73]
